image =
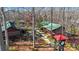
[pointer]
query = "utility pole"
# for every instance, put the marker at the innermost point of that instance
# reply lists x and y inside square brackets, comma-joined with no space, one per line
[4,23]
[33,26]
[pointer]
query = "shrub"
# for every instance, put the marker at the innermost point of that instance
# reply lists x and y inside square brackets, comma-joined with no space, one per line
[12,49]
[68,45]
[77,47]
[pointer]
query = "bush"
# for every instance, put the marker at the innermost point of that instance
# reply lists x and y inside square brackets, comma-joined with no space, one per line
[34,49]
[77,47]
[68,45]
[12,49]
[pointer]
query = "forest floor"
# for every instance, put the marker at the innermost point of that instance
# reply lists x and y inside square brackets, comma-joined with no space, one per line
[22,46]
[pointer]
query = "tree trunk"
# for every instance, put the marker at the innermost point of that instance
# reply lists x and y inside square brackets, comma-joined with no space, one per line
[33,25]
[6,33]
[2,45]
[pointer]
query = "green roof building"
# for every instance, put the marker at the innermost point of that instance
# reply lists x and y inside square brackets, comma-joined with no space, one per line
[52,26]
[43,23]
[8,25]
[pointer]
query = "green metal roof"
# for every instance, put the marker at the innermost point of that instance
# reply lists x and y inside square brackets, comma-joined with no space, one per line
[8,25]
[52,26]
[44,23]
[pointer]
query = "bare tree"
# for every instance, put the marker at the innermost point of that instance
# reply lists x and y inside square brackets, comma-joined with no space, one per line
[4,22]
[33,25]
[51,16]
[2,45]
[63,19]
